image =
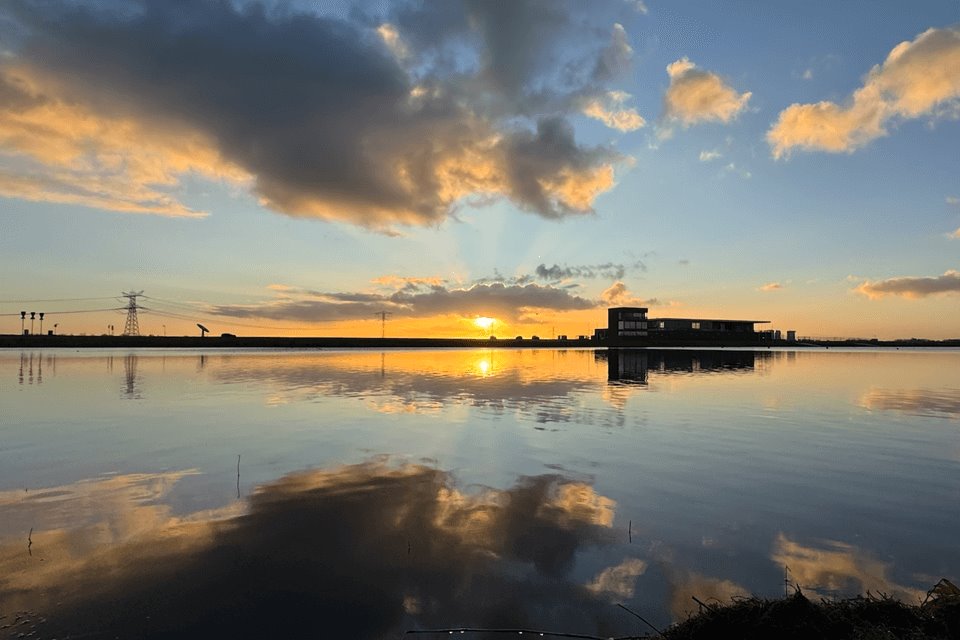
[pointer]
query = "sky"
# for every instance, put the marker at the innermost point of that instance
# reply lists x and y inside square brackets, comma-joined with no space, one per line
[480,168]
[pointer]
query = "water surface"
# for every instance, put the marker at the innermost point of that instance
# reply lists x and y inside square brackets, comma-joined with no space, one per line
[362,494]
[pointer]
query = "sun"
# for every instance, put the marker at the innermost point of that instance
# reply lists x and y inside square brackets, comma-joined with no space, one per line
[483,322]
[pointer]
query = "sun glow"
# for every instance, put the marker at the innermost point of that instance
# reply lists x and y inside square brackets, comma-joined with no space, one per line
[483,322]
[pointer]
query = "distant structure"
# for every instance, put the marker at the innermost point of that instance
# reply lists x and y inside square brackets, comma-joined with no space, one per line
[628,326]
[626,322]
[383,315]
[132,327]
[791,335]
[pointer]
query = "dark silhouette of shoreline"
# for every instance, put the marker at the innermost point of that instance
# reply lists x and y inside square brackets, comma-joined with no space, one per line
[275,342]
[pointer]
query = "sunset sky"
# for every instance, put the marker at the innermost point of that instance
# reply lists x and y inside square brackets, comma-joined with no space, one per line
[293,168]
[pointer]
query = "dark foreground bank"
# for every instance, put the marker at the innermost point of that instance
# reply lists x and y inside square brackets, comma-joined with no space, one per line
[866,617]
[871,617]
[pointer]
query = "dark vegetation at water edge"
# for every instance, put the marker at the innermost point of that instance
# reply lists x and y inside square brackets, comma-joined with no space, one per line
[797,617]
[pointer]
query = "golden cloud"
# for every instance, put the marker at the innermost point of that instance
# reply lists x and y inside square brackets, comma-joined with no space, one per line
[379,146]
[770,286]
[57,151]
[618,581]
[920,77]
[837,566]
[912,288]
[695,95]
[609,110]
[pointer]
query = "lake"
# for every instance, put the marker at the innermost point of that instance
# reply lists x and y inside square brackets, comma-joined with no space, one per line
[363,494]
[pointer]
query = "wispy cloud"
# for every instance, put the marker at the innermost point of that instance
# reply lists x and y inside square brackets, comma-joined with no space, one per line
[709,156]
[611,270]
[912,287]
[770,286]
[919,78]
[416,298]
[609,110]
[696,96]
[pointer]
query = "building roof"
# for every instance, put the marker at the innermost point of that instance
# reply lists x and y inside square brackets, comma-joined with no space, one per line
[710,320]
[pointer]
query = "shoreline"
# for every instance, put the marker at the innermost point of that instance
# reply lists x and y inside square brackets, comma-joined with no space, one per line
[13,341]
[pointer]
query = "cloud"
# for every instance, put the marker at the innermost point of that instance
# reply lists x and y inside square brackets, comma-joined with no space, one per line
[638,5]
[732,168]
[923,402]
[837,566]
[618,582]
[695,96]
[612,270]
[954,200]
[420,553]
[919,78]
[770,286]
[617,294]
[708,156]
[56,151]
[416,298]
[609,110]
[352,120]
[808,74]
[616,57]
[912,287]
[956,234]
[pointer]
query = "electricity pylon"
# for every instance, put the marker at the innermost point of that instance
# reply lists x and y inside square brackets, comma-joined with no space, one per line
[383,321]
[132,328]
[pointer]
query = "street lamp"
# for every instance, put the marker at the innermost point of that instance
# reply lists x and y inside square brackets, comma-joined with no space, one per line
[55,325]
[41,323]
[164,331]
[32,315]
[23,316]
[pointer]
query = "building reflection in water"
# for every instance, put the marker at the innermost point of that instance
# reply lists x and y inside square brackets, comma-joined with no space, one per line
[636,365]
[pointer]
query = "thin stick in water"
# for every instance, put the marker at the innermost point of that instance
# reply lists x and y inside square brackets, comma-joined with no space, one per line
[644,620]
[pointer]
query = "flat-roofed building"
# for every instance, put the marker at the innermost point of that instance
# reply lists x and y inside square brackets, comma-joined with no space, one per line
[703,325]
[626,322]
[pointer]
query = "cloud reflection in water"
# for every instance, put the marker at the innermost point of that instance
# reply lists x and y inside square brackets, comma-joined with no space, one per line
[362,551]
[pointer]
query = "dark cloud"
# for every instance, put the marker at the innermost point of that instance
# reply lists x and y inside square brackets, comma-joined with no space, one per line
[616,57]
[415,300]
[323,114]
[912,287]
[611,270]
[365,551]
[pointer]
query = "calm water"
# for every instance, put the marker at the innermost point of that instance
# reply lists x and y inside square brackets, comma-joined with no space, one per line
[360,494]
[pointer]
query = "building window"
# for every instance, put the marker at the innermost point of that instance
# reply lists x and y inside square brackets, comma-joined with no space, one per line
[663,324]
[694,325]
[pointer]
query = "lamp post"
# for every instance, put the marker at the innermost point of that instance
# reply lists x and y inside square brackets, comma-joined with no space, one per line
[164,331]
[41,323]
[55,325]
[23,316]
[32,315]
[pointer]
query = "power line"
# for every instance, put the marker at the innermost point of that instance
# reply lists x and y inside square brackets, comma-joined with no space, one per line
[73,311]
[55,300]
